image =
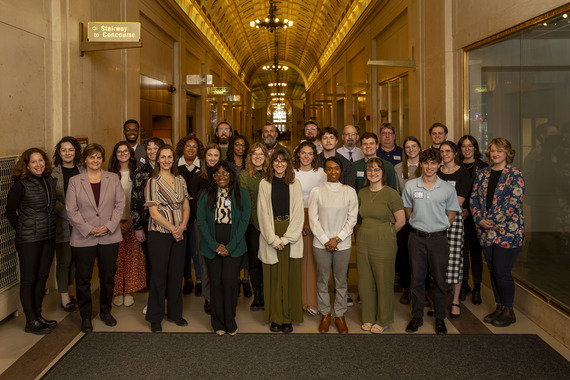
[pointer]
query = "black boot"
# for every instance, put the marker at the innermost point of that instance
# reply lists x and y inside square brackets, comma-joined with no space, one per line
[36,327]
[506,318]
[465,290]
[246,289]
[256,300]
[489,318]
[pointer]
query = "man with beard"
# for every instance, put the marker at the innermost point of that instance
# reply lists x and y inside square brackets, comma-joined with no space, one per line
[329,139]
[131,129]
[388,150]
[269,135]
[311,132]
[349,150]
[222,137]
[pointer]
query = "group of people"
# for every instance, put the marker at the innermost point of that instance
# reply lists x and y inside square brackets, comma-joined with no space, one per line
[285,219]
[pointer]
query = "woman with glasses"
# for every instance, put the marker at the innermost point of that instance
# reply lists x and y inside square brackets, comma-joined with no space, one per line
[382,212]
[223,216]
[497,208]
[280,215]
[310,174]
[130,276]
[470,160]
[333,209]
[237,152]
[406,170]
[67,163]
[167,201]
[255,168]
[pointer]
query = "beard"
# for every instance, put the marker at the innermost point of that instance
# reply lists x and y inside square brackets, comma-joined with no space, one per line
[350,144]
[269,140]
[311,138]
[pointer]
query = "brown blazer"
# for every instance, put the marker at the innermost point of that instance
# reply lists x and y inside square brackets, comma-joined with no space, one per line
[84,215]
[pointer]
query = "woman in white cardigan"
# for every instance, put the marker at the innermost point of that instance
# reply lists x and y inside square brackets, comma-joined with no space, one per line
[333,209]
[281,216]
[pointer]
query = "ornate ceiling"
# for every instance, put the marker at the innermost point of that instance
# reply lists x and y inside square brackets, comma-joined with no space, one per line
[318,29]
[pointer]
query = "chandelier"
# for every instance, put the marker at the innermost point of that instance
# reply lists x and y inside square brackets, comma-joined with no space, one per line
[271,22]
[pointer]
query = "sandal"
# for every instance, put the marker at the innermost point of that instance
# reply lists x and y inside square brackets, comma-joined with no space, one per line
[454,316]
[366,326]
[377,329]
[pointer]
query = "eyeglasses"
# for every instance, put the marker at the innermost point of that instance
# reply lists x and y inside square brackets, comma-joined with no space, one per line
[276,162]
[223,130]
[258,154]
[239,144]
[191,147]
[122,152]
[351,134]
[310,128]
[222,174]
[373,170]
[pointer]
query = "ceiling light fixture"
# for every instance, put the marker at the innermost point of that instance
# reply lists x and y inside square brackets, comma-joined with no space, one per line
[271,22]
[277,84]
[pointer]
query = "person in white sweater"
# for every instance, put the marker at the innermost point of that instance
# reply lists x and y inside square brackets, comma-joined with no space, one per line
[333,209]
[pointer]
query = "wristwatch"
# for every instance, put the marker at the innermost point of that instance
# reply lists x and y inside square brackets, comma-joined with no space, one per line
[338,240]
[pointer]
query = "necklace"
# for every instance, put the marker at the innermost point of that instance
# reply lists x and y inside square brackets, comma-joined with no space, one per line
[466,166]
[375,194]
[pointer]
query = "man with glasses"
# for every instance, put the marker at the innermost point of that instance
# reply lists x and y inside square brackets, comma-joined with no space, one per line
[222,137]
[349,150]
[388,150]
[311,132]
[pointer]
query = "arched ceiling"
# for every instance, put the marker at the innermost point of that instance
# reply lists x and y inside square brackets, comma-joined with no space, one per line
[319,27]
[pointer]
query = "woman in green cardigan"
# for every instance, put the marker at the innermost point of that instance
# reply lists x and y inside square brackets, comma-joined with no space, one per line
[223,216]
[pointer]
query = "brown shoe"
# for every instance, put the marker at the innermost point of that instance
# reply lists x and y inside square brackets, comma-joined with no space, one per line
[341,325]
[325,323]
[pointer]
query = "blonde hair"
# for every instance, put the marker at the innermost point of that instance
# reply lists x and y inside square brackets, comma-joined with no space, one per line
[505,145]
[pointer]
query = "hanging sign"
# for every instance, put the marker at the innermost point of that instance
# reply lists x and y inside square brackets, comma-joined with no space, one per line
[114,31]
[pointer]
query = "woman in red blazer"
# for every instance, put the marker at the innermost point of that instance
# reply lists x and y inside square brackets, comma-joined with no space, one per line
[95,201]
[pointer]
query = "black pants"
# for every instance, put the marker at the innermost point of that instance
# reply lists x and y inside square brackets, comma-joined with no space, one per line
[403,258]
[255,268]
[167,261]
[106,255]
[35,262]
[435,252]
[500,262]
[471,247]
[224,291]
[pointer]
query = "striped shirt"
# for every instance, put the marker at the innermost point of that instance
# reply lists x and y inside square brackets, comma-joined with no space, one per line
[170,201]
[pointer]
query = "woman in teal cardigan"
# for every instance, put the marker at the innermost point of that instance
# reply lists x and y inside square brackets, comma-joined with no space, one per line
[223,216]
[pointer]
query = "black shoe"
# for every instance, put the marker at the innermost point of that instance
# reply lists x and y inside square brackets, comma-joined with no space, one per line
[69,307]
[405,298]
[36,327]
[414,324]
[440,328]
[287,327]
[464,292]
[257,301]
[207,307]
[198,289]
[246,289]
[489,318]
[275,327]
[506,318]
[50,324]
[108,319]
[188,287]
[86,325]
[476,297]
[454,316]
[179,322]
[155,327]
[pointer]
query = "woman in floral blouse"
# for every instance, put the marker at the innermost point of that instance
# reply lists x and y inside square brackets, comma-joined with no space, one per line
[497,209]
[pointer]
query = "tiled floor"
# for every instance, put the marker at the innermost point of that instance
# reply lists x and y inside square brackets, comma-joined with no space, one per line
[25,356]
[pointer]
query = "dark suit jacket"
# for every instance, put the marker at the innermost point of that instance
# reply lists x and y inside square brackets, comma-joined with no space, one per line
[84,214]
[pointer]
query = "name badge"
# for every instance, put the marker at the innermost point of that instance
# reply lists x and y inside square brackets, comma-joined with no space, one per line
[227,203]
[452,183]
[418,195]
[360,174]
[397,157]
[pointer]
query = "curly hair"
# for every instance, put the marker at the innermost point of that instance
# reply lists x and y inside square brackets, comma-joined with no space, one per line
[503,144]
[249,163]
[369,164]
[289,177]
[115,165]
[233,186]
[182,143]
[430,155]
[21,169]
[73,141]
[173,168]
[315,164]
[230,153]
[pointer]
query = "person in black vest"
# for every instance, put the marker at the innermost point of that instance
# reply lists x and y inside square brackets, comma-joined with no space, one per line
[30,210]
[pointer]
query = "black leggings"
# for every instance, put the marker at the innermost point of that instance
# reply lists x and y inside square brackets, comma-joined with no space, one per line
[35,263]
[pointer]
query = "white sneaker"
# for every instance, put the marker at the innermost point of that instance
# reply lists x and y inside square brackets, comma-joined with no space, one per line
[129,300]
[118,300]
[144,310]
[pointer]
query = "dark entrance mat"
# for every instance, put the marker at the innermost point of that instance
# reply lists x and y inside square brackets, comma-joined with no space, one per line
[308,356]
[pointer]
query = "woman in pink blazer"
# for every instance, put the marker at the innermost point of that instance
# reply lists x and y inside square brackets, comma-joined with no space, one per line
[95,201]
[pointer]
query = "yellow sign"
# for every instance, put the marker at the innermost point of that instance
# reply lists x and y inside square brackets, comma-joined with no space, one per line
[114,31]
